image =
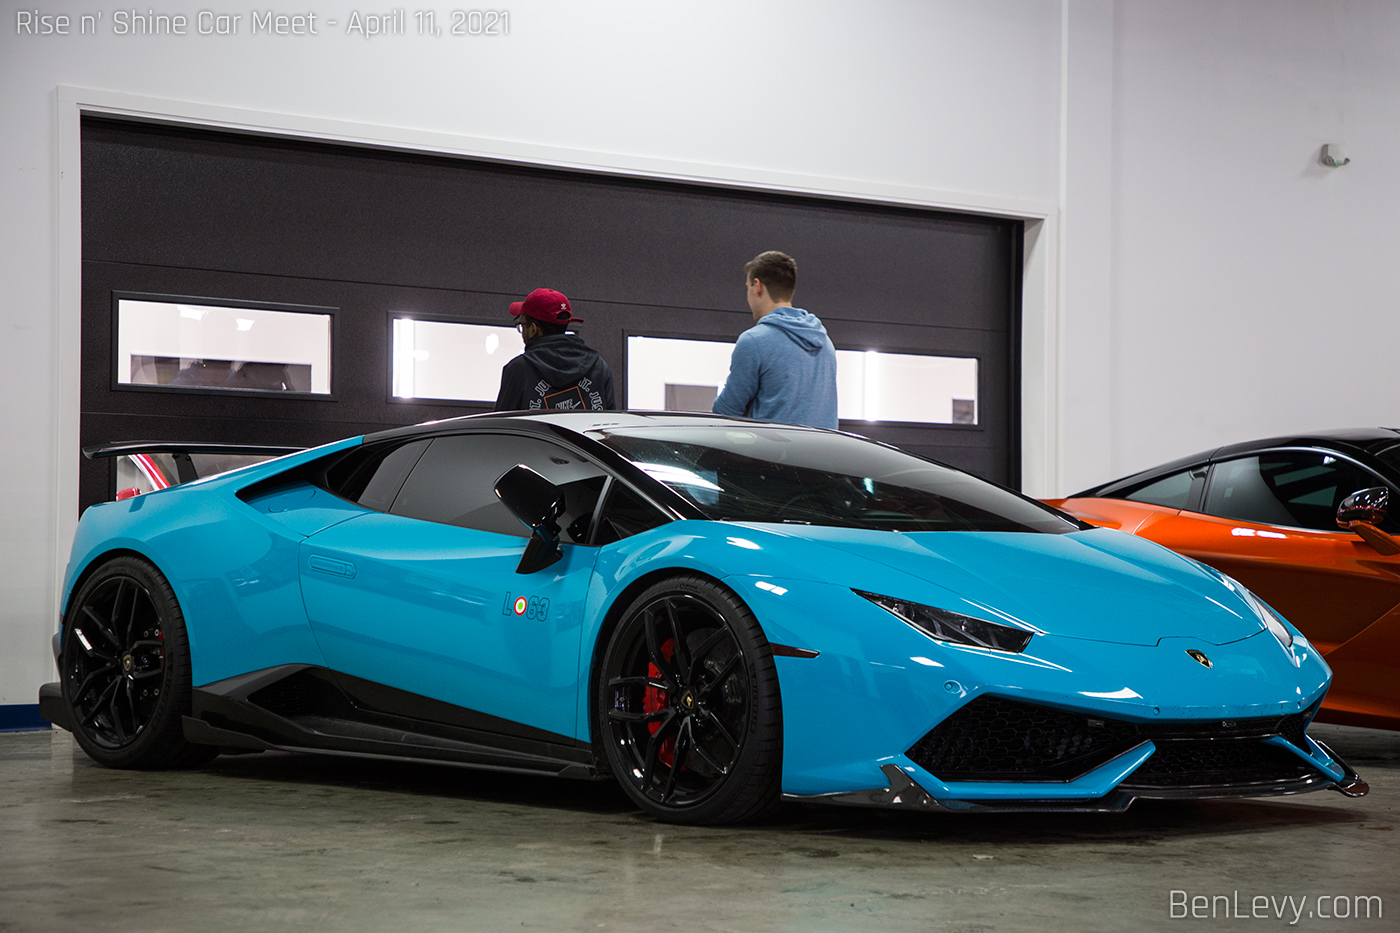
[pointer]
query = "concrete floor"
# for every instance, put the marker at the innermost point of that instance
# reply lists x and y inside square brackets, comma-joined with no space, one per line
[273,842]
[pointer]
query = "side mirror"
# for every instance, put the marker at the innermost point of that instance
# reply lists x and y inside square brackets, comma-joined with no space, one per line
[1365,505]
[538,503]
[1362,511]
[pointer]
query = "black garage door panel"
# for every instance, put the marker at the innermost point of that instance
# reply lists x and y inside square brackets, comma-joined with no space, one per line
[173,212]
[207,201]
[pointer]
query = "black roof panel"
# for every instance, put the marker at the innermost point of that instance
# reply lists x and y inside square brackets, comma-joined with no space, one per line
[1346,440]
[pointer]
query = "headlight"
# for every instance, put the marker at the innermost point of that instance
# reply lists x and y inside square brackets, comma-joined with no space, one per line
[1271,620]
[1261,609]
[942,625]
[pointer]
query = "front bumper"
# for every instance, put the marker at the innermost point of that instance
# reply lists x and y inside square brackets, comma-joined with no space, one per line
[51,705]
[1110,788]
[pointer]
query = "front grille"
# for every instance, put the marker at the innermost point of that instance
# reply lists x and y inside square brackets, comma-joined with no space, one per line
[1294,728]
[1290,727]
[994,738]
[1222,763]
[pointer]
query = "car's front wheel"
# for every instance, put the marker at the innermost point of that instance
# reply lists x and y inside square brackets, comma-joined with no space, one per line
[689,711]
[125,668]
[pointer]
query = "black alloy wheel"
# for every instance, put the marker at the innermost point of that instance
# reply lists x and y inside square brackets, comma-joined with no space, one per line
[125,669]
[689,711]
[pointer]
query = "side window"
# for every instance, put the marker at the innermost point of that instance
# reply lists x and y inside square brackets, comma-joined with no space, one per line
[1174,491]
[454,483]
[372,477]
[1390,457]
[626,514]
[1300,489]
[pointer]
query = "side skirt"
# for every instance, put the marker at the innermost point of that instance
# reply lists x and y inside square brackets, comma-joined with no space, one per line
[300,708]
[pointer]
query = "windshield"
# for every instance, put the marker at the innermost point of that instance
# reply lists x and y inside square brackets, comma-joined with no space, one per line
[776,474]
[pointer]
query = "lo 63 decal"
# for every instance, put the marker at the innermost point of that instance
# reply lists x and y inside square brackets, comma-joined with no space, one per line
[531,607]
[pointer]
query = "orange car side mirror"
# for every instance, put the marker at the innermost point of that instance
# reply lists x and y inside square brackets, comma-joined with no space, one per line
[1362,511]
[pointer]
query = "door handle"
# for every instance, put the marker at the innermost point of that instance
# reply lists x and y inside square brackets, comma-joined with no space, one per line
[336,568]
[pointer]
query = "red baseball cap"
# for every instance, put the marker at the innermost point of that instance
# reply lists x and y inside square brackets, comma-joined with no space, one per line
[545,304]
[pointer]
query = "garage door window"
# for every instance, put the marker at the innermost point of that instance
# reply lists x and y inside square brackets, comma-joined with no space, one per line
[451,361]
[183,344]
[669,374]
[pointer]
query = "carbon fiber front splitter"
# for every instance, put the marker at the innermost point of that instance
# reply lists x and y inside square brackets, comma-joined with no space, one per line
[904,792]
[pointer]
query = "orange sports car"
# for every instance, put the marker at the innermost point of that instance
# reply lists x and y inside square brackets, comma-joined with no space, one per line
[1310,523]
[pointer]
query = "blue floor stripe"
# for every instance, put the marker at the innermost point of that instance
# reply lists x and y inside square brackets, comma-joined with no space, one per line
[22,718]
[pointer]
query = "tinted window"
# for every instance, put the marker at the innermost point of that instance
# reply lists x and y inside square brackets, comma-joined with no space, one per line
[372,476]
[1300,489]
[626,514]
[1172,491]
[774,474]
[1390,457]
[454,483]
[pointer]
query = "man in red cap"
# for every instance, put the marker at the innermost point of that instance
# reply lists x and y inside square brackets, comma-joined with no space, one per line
[557,370]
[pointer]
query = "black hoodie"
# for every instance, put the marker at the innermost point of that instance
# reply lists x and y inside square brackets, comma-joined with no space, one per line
[556,371]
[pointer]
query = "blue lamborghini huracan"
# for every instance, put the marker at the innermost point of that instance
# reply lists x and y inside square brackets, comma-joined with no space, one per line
[717,613]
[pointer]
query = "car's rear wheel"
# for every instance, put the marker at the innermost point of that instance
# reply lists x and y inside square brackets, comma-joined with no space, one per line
[125,669]
[689,712]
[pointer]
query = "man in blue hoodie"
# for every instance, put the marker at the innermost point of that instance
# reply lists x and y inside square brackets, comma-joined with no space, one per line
[784,367]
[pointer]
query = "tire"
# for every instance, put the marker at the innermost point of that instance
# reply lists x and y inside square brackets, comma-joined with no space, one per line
[125,669]
[689,713]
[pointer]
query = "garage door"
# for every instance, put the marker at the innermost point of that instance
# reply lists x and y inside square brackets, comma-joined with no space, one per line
[342,246]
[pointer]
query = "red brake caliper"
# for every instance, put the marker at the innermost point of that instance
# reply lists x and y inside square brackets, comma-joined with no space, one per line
[656,699]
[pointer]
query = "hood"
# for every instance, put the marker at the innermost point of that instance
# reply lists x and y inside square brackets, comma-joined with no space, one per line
[803,327]
[1099,584]
[561,359]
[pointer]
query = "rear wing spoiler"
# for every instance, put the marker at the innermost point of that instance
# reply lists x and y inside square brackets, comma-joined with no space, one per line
[126,448]
[186,470]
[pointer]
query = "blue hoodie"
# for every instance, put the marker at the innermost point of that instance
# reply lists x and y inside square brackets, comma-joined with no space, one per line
[783,369]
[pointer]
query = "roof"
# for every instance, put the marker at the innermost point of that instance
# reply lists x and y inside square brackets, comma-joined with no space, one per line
[1346,440]
[581,422]
[1368,440]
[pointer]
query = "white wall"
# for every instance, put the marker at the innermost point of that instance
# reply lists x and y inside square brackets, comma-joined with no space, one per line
[1214,284]
[1253,290]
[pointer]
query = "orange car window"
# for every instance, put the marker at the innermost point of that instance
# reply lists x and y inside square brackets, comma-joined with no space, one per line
[1390,457]
[1172,491]
[1299,489]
